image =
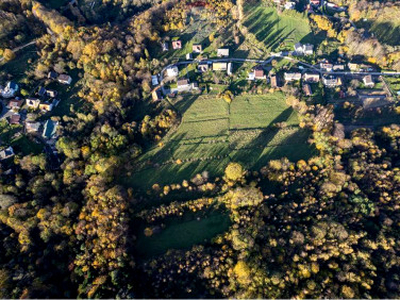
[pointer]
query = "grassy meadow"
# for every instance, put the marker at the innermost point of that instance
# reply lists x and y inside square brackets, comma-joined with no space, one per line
[276,31]
[213,133]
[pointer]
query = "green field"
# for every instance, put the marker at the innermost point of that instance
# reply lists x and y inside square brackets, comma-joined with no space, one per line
[182,233]
[213,133]
[277,32]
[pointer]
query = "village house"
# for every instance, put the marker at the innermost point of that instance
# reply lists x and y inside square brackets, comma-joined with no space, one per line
[41,91]
[6,153]
[172,71]
[177,45]
[32,103]
[14,119]
[368,82]
[15,104]
[32,127]
[65,79]
[203,67]
[164,47]
[331,81]
[307,90]
[50,130]
[353,67]
[197,48]
[338,67]
[51,93]
[257,74]
[315,2]
[52,75]
[325,66]
[183,85]
[304,49]
[274,80]
[10,90]
[229,70]
[292,76]
[156,94]
[311,77]
[154,80]
[219,66]
[46,106]
[223,52]
[290,5]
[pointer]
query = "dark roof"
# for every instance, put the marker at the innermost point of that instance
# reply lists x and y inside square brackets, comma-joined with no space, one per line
[52,75]
[41,91]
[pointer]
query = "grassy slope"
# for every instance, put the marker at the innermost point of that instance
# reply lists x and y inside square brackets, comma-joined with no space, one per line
[276,31]
[212,134]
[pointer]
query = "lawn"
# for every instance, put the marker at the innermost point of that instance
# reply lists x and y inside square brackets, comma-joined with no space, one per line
[182,233]
[213,133]
[277,32]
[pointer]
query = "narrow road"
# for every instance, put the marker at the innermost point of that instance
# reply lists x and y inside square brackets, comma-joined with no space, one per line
[20,48]
[242,60]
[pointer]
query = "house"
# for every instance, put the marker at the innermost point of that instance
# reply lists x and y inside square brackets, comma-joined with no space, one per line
[331,81]
[202,67]
[41,91]
[324,66]
[32,103]
[184,85]
[353,67]
[338,67]
[223,52]
[6,153]
[311,77]
[274,80]
[64,79]
[46,106]
[15,104]
[307,90]
[304,49]
[197,48]
[292,77]
[229,70]
[219,66]
[164,47]
[10,90]
[154,80]
[189,56]
[52,75]
[368,82]
[14,119]
[32,127]
[177,45]
[290,5]
[172,71]
[315,2]
[251,76]
[259,74]
[50,129]
[156,94]
[51,93]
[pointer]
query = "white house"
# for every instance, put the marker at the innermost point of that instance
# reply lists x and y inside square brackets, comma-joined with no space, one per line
[223,52]
[304,49]
[368,82]
[32,103]
[64,79]
[10,90]
[6,153]
[292,76]
[172,71]
[290,5]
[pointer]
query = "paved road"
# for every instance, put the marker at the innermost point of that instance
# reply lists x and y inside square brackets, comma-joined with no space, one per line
[20,48]
[266,61]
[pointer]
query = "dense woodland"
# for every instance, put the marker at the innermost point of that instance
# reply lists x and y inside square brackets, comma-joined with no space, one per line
[327,228]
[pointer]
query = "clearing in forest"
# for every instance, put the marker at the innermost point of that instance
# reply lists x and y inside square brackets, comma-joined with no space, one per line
[213,133]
